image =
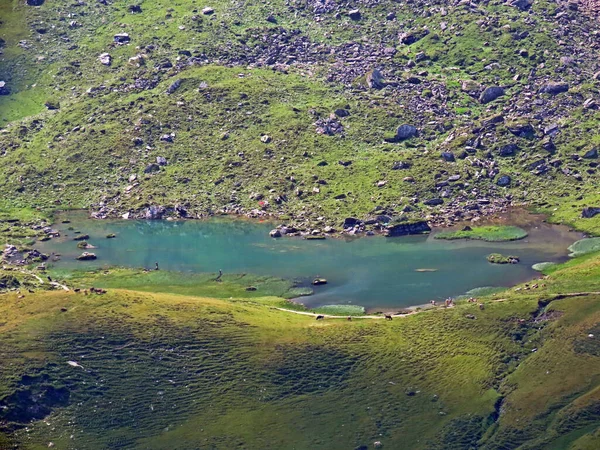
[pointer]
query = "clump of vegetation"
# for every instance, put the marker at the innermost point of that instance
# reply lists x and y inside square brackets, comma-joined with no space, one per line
[498,258]
[341,310]
[585,246]
[486,233]
[540,267]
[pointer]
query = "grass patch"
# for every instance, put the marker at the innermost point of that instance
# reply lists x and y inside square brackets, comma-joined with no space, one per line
[584,246]
[486,233]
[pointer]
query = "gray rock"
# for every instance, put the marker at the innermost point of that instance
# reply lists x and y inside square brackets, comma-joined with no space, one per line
[174,86]
[350,222]
[434,202]
[590,212]
[150,168]
[521,129]
[554,88]
[354,14]
[591,154]
[448,156]
[4,89]
[105,59]
[161,160]
[208,11]
[275,233]
[490,94]
[504,180]
[154,213]
[508,150]
[122,38]
[375,79]
[401,165]
[406,131]
[523,5]
[403,229]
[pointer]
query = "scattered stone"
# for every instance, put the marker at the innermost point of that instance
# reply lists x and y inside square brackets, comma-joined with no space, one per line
[105,59]
[35,2]
[434,202]
[523,5]
[448,156]
[554,88]
[375,79]
[275,233]
[161,161]
[154,213]
[406,131]
[354,14]
[208,11]
[173,87]
[319,281]
[122,38]
[591,154]
[135,9]
[508,150]
[150,168]
[265,139]
[504,180]
[3,88]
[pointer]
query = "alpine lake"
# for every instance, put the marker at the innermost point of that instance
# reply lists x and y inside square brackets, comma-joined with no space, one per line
[375,272]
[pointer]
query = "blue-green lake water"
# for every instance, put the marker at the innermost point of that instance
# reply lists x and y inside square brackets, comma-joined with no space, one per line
[370,271]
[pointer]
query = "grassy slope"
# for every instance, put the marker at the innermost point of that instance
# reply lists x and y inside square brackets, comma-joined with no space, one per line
[170,369]
[90,167]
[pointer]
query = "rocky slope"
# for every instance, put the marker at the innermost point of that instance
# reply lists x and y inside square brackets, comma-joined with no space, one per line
[311,111]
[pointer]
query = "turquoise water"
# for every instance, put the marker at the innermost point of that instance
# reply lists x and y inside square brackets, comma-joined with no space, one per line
[370,271]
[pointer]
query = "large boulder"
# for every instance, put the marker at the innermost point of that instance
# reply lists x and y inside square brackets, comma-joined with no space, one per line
[35,2]
[406,228]
[85,256]
[490,94]
[521,129]
[350,222]
[406,132]
[434,202]
[121,38]
[154,212]
[3,88]
[448,156]
[508,150]
[554,88]
[105,59]
[523,5]
[590,212]
[375,79]
[591,154]
[504,180]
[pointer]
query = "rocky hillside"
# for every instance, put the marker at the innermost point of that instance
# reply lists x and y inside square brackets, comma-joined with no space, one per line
[308,110]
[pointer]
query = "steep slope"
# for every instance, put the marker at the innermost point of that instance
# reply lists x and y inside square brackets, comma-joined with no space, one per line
[294,108]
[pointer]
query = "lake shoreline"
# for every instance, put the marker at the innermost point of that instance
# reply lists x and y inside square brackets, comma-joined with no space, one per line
[401,276]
